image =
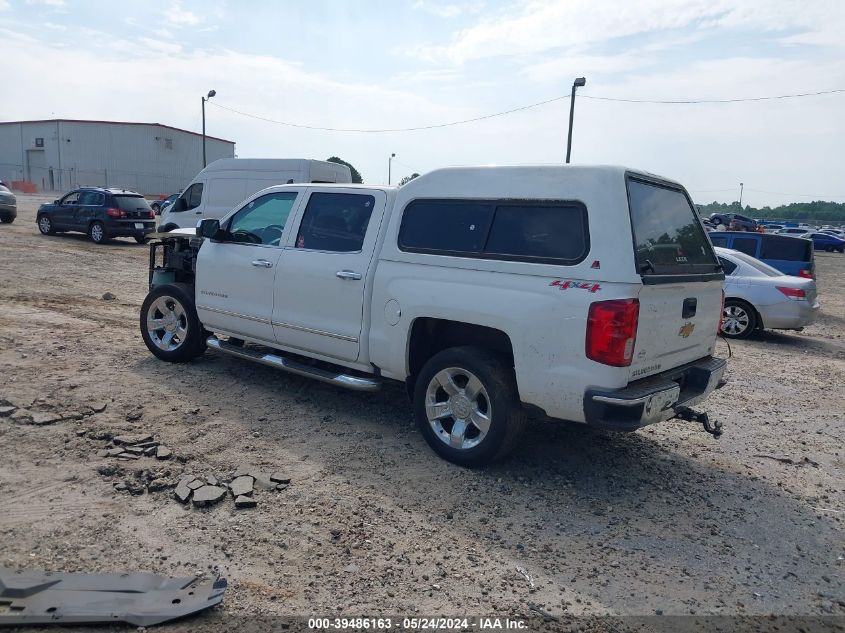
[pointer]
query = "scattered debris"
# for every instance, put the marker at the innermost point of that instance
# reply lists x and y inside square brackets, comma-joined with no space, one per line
[108,296]
[140,599]
[162,452]
[245,502]
[241,486]
[522,571]
[6,411]
[786,460]
[208,490]
[135,447]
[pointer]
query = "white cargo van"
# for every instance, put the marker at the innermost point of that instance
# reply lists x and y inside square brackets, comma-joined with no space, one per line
[224,183]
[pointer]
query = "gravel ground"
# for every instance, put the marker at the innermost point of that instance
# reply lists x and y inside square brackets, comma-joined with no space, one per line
[664,521]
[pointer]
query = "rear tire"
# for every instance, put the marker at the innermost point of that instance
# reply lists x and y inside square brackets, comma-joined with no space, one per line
[467,406]
[97,232]
[739,319]
[7,219]
[829,249]
[45,225]
[169,324]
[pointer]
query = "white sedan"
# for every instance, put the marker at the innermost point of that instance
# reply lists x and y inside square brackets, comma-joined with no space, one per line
[758,296]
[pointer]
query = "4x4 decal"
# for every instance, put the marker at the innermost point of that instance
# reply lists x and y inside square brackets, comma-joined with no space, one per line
[566,284]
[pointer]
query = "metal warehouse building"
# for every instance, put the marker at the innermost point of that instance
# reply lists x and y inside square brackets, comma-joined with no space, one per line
[59,154]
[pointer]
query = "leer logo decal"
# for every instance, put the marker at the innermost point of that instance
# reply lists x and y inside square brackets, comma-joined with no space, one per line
[686,330]
[565,284]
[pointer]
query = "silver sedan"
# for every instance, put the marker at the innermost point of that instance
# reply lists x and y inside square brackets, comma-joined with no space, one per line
[758,296]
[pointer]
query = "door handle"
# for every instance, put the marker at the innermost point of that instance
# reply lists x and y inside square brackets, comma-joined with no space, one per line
[261,263]
[348,274]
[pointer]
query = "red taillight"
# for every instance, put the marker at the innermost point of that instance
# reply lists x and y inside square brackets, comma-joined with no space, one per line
[612,331]
[806,274]
[796,294]
[151,214]
[721,314]
[116,213]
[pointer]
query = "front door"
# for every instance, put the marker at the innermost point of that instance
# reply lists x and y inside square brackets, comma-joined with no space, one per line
[234,281]
[64,214]
[319,289]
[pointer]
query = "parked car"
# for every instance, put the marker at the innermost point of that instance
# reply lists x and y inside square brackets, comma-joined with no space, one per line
[793,230]
[458,284]
[8,205]
[741,222]
[159,205]
[772,228]
[101,213]
[229,181]
[834,233]
[826,242]
[759,297]
[789,254]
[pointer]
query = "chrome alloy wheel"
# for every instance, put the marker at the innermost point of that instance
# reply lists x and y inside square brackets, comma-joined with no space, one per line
[97,233]
[167,323]
[458,408]
[44,224]
[736,320]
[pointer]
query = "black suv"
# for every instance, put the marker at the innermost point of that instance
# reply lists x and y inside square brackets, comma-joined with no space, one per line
[101,213]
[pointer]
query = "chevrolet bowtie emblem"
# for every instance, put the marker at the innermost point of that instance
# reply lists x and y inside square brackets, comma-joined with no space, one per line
[686,330]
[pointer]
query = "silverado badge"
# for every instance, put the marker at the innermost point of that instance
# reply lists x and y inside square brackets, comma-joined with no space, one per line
[686,330]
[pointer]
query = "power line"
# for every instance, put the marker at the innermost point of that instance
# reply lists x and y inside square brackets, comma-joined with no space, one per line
[517,109]
[692,101]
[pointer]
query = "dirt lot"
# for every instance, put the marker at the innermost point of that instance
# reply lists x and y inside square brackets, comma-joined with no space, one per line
[666,520]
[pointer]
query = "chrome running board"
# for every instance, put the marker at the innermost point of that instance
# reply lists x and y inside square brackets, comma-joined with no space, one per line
[356,383]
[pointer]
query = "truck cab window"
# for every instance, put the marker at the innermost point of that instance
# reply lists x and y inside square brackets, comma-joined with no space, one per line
[262,221]
[335,222]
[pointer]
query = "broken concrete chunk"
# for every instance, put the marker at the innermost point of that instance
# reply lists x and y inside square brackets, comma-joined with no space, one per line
[208,495]
[241,486]
[98,407]
[108,296]
[212,480]
[162,452]
[120,486]
[243,469]
[135,450]
[195,483]
[45,417]
[7,411]
[182,492]
[149,452]
[114,452]
[128,456]
[128,440]
[245,502]
[263,482]
[281,487]
[156,485]
[280,478]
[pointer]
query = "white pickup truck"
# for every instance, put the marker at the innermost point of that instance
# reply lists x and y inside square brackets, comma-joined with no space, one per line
[589,294]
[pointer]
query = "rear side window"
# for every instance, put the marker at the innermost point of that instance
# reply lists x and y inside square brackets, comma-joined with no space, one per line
[91,198]
[132,203]
[668,238]
[792,249]
[335,222]
[728,265]
[747,245]
[544,232]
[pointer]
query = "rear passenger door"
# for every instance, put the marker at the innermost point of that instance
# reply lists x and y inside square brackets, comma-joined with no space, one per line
[89,203]
[323,275]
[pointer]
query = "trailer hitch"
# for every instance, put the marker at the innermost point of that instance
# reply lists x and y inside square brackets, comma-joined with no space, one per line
[713,428]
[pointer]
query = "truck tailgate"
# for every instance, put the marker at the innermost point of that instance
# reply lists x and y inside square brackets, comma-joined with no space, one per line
[677,325]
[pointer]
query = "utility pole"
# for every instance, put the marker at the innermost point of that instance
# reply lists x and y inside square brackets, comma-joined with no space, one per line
[741,185]
[211,93]
[389,166]
[576,84]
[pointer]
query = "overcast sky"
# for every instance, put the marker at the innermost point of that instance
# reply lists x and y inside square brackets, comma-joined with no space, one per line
[395,64]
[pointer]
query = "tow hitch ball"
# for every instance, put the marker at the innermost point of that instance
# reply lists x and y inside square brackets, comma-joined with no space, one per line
[714,428]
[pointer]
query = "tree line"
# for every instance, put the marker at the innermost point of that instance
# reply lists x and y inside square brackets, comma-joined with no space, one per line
[818,210]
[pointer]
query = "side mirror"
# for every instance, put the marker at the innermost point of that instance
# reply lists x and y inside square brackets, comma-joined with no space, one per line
[179,205]
[208,228]
[56,201]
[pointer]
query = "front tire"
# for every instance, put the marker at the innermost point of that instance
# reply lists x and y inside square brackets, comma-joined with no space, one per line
[97,232]
[467,406]
[169,324]
[7,219]
[739,319]
[45,225]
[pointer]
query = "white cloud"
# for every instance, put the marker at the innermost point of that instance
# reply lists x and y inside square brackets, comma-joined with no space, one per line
[48,3]
[178,16]
[538,26]
[5,6]
[441,10]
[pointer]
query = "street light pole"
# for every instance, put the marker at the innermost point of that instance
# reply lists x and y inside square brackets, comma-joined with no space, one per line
[389,166]
[741,185]
[575,84]
[211,93]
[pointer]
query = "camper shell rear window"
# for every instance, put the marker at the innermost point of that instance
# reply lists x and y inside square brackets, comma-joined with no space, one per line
[669,241]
